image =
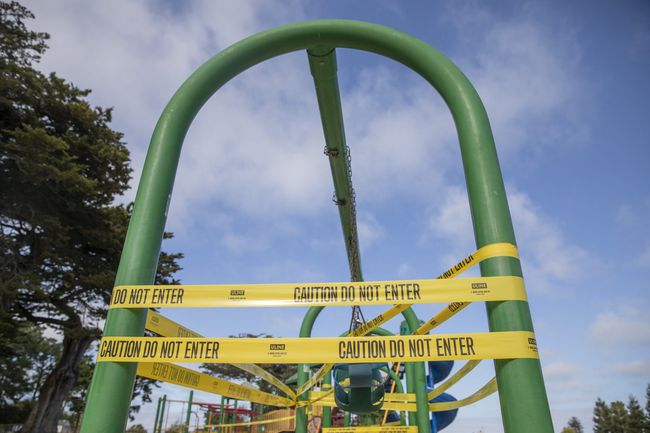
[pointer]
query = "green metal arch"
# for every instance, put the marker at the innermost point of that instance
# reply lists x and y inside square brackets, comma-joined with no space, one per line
[523,397]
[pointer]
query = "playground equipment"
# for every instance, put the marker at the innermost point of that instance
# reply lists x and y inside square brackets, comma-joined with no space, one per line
[510,342]
[365,390]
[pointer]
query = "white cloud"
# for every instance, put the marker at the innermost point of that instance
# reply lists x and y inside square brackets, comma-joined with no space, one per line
[550,261]
[625,326]
[369,229]
[255,148]
[560,371]
[634,368]
[525,71]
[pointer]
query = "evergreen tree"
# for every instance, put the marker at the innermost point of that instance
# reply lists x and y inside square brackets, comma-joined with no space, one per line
[62,169]
[646,426]
[575,425]
[601,417]
[636,418]
[618,417]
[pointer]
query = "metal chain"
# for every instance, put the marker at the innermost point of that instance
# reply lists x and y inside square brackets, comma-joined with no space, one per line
[352,240]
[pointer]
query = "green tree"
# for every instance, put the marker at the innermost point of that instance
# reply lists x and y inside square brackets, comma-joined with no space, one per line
[601,417]
[646,427]
[24,363]
[636,419]
[62,169]
[175,428]
[574,425]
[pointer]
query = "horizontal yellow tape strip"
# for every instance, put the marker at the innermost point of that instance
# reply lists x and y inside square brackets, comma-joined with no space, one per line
[319,294]
[235,425]
[487,389]
[491,345]
[165,327]
[315,396]
[372,429]
[182,376]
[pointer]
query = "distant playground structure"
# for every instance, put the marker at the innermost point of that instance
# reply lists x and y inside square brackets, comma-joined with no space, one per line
[363,370]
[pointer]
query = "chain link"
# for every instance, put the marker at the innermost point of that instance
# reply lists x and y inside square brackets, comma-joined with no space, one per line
[352,241]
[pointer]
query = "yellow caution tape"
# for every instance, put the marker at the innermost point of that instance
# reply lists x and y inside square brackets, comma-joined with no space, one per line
[165,327]
[397,397]
[178,375]
[320,294]
[487,252]
[490,345]
[372,429]
[266,421]
[469,366]
[485,391]
[490,251]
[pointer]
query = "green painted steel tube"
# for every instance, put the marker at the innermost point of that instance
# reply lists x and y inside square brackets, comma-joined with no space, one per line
[155,422]
[162,413]
[222,413]
[260,417]
[522,395]
[189,412]
[322,64]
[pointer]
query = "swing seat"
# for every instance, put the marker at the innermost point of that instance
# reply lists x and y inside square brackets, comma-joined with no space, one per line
[359,388]
[442,419]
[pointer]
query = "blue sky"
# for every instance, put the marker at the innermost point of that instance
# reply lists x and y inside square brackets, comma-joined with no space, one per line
[564,83]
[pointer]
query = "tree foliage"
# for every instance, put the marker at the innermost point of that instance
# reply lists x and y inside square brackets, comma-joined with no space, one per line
[617,417]
[63,168]
[573,426]
[137,428]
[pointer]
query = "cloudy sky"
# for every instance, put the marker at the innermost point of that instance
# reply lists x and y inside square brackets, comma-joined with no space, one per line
[564,83]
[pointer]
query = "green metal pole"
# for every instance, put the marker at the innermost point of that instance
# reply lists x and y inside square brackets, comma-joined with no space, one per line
[222,414]
[322,64]
[260,415]
[522,395]
[162,413]
[327,411]
[189,412]
[155,422]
